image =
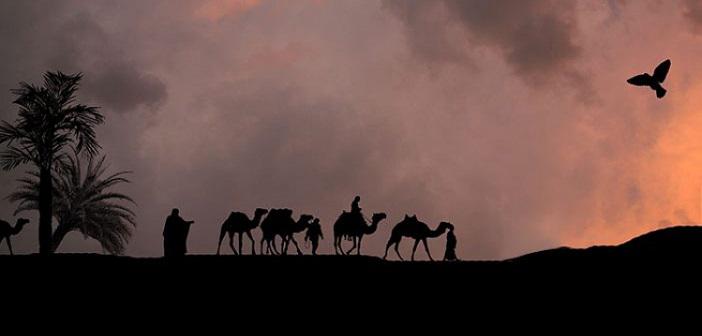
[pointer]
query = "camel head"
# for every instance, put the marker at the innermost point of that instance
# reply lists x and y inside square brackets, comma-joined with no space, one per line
[445,226]
[378,217]
[305,219]
[260,212]
[21,222]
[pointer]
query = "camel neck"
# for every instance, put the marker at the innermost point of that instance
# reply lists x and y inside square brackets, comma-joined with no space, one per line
[16,229]
[372,228]
[438,232]
[257,219]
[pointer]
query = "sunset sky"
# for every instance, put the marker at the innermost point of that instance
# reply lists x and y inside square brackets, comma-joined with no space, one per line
[511,119]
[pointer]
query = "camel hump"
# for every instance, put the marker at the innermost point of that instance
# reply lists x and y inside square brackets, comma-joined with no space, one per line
[237,216]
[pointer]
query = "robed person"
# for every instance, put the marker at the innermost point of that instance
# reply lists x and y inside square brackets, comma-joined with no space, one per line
[175,235]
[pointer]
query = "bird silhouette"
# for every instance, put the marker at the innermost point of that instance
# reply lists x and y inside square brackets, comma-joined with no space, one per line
[654,82]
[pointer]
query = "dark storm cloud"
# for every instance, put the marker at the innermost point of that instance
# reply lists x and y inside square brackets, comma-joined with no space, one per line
[428,26]
[72,41]
[113,79]
[123,88]
[536,37]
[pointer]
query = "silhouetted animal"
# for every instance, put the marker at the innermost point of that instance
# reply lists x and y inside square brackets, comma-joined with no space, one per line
[411,227]
[6,230]
[239,222]
[351,224]
[654,82]
[279,222]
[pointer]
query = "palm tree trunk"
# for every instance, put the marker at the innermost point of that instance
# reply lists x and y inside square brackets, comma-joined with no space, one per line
[45,213]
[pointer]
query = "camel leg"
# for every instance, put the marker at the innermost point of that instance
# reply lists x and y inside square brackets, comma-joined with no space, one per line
[283,246]
[222,232]
[9,244]
[397,250]
[387,247]
[339,249]
[426,248]
[231,243]
[358,249]
[299,252]
[240,244]
[355,243]
[336,244]
[414,248]
[261,249]
[253,243]
[272,243]
[341,245]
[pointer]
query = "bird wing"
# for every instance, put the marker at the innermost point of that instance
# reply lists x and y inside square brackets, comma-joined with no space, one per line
[661,71]
[660,92]
[640,80]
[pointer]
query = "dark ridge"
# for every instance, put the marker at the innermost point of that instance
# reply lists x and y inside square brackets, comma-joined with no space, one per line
[667,260]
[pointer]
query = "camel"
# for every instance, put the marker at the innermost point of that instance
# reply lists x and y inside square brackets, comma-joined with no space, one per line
[279,222]
[239,222]
[6,230]
[355,227]
[411,227]
[289,231]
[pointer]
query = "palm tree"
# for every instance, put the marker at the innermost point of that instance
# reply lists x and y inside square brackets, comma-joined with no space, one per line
[49,121]
[83,203]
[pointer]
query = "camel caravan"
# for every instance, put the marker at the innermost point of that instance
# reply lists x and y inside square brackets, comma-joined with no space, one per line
[351,226]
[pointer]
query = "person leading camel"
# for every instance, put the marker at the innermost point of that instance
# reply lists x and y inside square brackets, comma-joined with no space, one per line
[313,233]
[450,254]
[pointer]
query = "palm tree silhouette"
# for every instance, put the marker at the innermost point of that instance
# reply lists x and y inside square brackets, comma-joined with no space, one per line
[84,203]
[49,120]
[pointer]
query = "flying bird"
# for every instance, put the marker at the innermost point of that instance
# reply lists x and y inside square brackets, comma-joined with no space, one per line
[654,82]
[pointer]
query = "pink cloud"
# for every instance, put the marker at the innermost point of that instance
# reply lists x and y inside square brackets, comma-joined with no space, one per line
[215,10]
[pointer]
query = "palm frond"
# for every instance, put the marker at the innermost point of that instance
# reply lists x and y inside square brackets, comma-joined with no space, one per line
[83,201]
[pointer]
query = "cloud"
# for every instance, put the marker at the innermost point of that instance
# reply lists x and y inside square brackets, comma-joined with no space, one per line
[113,79]
[123,88]
[693,13]
[536,37]
[215,10]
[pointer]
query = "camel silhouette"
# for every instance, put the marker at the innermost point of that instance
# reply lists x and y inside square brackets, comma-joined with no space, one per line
[411,227]
[6,230]
[352,225]
[239,222]
[279,222]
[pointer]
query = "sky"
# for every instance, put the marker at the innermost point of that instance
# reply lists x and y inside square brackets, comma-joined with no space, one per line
[510,119]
